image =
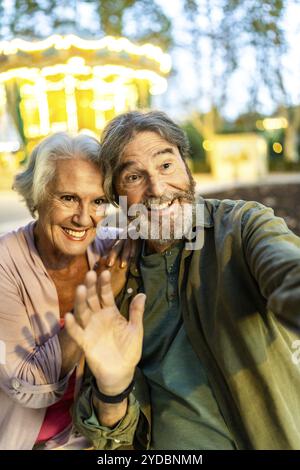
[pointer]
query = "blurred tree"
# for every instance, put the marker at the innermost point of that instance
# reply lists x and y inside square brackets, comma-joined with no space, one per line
[139,20]
[1,16]
[27,18]
[223,34]
[197,153]
[111,15]
[156,26]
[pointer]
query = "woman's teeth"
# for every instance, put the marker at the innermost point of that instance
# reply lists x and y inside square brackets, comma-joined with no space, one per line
[75,234]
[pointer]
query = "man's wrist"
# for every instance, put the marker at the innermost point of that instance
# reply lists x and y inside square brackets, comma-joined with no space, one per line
[109,415]
[112,397]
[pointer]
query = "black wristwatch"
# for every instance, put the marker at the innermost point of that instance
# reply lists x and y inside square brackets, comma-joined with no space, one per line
[111,398]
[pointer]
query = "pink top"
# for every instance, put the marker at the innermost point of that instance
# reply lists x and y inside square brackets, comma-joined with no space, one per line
[58,417]
[30,354]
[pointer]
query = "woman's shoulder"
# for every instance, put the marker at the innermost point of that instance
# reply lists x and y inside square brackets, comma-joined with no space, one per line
[11,243]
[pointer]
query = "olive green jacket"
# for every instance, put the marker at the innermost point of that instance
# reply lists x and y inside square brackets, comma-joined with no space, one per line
[240,299]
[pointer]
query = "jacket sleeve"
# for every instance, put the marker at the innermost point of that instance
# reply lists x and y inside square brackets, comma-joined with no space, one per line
[86,421]
[133,431]
[29,372]
[273,255]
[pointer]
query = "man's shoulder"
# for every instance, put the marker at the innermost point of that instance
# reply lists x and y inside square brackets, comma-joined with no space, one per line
[220,209]
[227,215]
[228,205]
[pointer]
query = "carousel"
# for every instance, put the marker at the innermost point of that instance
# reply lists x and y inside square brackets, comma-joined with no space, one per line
[66,83]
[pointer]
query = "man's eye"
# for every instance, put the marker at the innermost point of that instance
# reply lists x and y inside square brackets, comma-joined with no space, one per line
[132,178]
[166,166]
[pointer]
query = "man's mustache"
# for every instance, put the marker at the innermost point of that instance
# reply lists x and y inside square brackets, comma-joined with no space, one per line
[188,196]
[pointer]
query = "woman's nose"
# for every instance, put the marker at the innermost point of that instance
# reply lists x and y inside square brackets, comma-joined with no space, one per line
[82,217]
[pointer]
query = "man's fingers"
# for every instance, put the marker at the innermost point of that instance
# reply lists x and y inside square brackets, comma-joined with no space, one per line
[81,309]
[105,290]
[136,310]
[126,253]
[91,291]
[133,247]
[101,265]
[74,330]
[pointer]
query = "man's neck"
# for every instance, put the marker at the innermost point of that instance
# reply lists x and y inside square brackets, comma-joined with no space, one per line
[153,246]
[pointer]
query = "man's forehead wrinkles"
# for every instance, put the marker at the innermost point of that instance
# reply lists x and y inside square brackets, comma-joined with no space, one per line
[139,163]
[142,143]
[163,151]
[127,164]
[140,155]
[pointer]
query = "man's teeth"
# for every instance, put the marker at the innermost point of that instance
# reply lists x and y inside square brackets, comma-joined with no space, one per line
[75,234]
[155,207]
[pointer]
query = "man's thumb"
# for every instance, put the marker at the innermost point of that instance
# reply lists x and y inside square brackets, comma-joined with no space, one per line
[136,309]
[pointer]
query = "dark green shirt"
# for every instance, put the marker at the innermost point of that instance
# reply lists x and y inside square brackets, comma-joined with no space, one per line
[185,414]
[240,302]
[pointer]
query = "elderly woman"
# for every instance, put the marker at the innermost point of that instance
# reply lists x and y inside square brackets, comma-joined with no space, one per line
[41,265]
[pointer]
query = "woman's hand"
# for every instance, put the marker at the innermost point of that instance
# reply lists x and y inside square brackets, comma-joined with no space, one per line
[117,262]
[112,345]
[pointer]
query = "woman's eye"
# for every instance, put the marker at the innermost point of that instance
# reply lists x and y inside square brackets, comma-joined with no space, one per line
[99,201]
[68,198]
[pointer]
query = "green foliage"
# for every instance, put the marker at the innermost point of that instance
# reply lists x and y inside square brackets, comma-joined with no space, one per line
[197,153]
[111,15]
[139,20]
[232,30]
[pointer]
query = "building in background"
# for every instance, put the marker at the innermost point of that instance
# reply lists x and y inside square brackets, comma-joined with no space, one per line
[239,157]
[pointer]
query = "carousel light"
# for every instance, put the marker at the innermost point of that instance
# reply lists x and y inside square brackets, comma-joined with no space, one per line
[41,95]
[110,43]
[158,84]
[106,87]
[270,124]
[71,106]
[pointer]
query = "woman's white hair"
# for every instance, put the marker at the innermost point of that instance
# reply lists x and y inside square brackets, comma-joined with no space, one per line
[33,183]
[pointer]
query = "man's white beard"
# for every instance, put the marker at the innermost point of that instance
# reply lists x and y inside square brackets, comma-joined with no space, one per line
[165,229]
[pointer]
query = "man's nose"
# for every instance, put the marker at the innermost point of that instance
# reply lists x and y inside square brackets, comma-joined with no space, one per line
[82,216]
[156,187]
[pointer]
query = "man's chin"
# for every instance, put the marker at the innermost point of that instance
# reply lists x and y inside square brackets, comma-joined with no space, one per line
[164,242]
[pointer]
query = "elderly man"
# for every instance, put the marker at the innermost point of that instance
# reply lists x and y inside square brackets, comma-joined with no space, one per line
[221,321]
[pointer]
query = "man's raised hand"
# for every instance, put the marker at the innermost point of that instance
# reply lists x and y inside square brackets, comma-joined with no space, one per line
[112,345]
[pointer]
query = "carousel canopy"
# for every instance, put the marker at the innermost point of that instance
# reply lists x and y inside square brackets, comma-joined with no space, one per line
[69,83]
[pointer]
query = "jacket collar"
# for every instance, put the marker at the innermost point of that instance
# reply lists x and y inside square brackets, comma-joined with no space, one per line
[206,219]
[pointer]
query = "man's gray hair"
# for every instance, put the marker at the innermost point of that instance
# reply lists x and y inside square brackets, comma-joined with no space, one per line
[33,183]
[123,128]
